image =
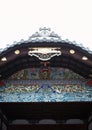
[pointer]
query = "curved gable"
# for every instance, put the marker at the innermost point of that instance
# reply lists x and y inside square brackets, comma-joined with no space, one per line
[73,57]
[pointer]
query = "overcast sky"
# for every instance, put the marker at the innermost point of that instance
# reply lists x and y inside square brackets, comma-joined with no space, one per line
[71,19]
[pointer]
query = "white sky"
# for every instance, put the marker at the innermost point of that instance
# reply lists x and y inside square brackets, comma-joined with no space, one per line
[71,19]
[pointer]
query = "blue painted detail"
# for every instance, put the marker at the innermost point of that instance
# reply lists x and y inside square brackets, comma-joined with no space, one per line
[45,87]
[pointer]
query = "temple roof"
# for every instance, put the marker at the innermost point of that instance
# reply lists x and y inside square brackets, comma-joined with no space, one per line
[73,56]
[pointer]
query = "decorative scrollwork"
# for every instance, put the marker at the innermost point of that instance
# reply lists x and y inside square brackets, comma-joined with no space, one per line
[44,54]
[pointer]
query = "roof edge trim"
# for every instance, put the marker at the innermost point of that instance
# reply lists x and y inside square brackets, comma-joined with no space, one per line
[45,35]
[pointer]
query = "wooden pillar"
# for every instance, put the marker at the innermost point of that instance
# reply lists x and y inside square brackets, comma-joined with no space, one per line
[3,121]
[90,122]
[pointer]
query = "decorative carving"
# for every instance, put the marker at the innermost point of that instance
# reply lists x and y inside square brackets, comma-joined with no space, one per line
[44,54]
